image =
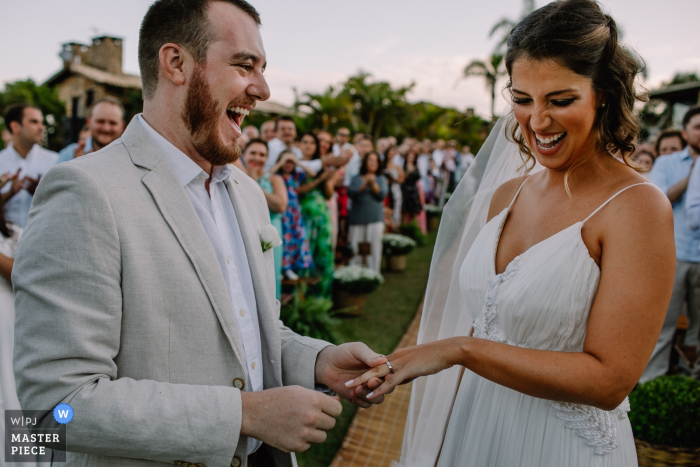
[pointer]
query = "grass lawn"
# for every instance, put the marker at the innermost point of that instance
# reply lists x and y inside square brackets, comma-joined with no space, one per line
[387,315]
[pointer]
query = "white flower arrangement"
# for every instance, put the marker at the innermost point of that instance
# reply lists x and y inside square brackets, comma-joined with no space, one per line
[432,209]
[397,245]
[269,238]
[357,280]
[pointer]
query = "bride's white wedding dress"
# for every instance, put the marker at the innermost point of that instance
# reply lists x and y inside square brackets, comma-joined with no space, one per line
[541,301]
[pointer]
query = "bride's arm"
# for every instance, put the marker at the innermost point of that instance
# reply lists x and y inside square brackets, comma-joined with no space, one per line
[637,270]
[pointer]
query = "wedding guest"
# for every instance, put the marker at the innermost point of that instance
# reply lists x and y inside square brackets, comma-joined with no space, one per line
[395,175]
[672,174]
[251,132]
[9,238]
[412,192]
[25,158]
[315,191]
[254,157]
[364,146]
[366,218]
[267,131]
[466,158]
[646,160]
[668,142]
[296,256]
[285,135]
[325,147]
[342,138]
[105,122]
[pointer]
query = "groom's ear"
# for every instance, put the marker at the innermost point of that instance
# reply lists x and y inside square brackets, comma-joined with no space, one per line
[175,64]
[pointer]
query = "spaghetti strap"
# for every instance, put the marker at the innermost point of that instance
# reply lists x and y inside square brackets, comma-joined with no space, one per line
[517,193]
[613,197]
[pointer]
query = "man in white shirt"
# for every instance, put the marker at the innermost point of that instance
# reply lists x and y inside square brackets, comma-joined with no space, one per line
[285,134]
[25,161]
[438,156]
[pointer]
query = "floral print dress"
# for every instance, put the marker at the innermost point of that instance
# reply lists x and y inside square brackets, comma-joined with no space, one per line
[319,228]
[296,255]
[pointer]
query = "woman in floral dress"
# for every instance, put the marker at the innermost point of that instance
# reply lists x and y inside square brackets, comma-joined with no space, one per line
[296,256]
[317,218]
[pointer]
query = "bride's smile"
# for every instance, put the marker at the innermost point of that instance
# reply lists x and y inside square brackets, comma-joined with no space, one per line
[556,110]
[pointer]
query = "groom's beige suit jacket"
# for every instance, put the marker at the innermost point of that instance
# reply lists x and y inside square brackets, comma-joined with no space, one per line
[122,312]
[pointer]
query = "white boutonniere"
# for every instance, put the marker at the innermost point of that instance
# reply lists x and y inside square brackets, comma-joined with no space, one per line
[269,238]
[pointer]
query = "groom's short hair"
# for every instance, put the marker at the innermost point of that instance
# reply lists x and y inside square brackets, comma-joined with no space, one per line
[181,22]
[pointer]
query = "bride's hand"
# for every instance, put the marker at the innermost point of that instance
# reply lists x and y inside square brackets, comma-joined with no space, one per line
[409,363]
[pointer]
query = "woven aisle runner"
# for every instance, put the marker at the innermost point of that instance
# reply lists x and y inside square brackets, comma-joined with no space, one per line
[376,434]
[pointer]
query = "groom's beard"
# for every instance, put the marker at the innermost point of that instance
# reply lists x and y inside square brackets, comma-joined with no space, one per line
[202,117]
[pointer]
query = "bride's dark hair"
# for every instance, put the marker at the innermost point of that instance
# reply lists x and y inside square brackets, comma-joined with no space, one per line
[578,35]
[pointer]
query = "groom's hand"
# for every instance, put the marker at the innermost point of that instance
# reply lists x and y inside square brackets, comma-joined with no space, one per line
[290,418]
[337,365]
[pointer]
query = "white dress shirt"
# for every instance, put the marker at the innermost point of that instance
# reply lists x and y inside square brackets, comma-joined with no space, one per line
[218,217]
[37,162]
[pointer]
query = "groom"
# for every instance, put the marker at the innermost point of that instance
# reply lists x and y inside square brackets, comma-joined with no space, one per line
[144,296]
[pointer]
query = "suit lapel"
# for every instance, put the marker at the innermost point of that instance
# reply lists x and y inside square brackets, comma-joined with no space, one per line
[269,330]
[177,210]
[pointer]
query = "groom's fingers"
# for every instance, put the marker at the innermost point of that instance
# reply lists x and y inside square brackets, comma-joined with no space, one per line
[331,406]
[366,355]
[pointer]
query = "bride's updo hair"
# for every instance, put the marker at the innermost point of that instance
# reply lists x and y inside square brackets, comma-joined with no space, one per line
[578,35]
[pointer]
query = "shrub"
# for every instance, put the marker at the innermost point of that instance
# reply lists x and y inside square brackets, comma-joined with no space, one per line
[412,230]
[397,245]
[356,280]
[432,210]
[311,316]
[666,412]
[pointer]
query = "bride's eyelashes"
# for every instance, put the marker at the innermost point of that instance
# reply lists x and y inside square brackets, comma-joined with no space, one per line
[557,102]
[563,102]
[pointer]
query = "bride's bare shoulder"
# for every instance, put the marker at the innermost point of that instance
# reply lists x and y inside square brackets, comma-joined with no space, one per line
[503,195]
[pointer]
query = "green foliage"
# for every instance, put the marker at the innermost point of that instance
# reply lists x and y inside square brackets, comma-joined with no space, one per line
[684,78]
[491,71]
[43,97]
[377,108]
[412,230]
[505,25]
[311,316]
[666,412]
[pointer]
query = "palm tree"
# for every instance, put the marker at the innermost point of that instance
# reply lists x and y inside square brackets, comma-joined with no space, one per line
[491,71]
[506,25]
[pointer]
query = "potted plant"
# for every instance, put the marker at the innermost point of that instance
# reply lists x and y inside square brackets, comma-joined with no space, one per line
[395,248]
[351,286]
[665,419]
[433,212]
[413,231]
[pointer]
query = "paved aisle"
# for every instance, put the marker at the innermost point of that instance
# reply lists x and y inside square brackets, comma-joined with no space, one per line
[376,434]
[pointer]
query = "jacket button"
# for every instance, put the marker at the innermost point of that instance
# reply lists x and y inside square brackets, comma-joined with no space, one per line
[238,383]
[236,462]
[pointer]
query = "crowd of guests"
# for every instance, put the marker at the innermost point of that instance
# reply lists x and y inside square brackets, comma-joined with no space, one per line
[331,197]
[671,161]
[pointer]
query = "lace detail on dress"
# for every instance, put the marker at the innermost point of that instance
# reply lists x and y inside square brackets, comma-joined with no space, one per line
[485,326]
[595,425]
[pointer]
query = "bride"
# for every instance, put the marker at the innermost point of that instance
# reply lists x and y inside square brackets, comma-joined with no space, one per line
[548,290]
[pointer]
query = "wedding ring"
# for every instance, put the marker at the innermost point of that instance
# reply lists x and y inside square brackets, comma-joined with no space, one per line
[391,370]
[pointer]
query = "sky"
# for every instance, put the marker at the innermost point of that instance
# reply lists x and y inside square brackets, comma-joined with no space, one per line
[312,44]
